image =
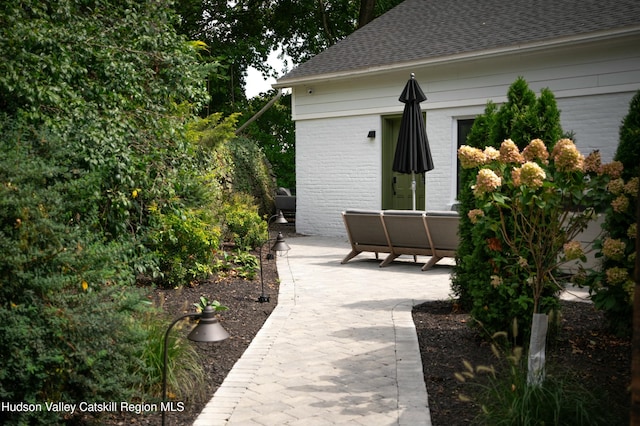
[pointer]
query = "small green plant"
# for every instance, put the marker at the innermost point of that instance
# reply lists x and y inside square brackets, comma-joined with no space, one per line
[222,262]
[204,302]
[248,264]
[239,263]
[505,398]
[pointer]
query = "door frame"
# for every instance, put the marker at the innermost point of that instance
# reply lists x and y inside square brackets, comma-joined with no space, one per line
[390,130]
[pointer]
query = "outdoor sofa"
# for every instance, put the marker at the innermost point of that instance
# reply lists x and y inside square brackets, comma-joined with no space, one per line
[402,232]
[285,202]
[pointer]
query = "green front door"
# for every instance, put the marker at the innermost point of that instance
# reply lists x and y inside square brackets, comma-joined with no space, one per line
[396,187]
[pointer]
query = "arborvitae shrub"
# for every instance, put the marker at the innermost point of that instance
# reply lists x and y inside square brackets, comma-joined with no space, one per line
[611,295]
[522,118]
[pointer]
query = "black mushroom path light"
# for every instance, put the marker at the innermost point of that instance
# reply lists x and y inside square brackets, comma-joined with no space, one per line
[279,246]
[208,329]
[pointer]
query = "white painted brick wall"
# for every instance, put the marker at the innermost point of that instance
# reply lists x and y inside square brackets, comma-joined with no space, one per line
[338,168]
[595,120]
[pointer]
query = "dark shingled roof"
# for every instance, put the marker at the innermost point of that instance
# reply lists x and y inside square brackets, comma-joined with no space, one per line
[422,30]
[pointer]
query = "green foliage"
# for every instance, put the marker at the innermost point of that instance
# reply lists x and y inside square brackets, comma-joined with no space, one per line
[505,398]
[95,171]
[239,263]
[204,302]
[248,265]
[612,285]
[66,307]
[522,118]
[244,33]
[533,201]
[274,131]
[185,242]
[243,224]
[306,29]
[99,182]
[116,84]
[628,152]
[472,249]
[252,174]
[214,130]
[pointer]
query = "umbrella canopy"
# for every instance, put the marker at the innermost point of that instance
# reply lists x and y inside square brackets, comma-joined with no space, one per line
[412,151]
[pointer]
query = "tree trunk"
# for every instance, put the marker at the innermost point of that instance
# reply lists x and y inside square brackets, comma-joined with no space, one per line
[537,346]
[367,12]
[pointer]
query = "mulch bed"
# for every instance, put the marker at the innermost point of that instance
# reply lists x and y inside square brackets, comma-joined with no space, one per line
[583,346]
[242,320]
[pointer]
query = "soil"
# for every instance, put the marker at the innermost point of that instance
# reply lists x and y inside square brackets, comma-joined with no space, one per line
[445,337]
[582,348]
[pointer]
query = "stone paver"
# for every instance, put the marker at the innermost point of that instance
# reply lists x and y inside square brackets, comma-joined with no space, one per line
[339,349]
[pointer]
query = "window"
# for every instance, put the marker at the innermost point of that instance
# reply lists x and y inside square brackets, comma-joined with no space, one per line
[463,129]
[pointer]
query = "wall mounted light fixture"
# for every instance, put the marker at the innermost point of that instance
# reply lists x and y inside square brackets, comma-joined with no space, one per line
[371,134]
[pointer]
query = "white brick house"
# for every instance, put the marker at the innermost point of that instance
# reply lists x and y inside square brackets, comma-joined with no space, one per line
[463,54]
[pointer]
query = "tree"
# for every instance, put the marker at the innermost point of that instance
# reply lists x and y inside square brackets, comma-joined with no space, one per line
[243,33]
[367,12]
[275,132]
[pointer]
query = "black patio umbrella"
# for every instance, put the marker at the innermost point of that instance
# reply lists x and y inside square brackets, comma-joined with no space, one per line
[412,151]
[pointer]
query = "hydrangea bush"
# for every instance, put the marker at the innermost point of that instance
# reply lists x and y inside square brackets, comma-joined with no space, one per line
[612,286]
[536,203]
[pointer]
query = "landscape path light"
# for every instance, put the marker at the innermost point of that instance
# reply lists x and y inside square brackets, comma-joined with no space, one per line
[279,246]
[208,329]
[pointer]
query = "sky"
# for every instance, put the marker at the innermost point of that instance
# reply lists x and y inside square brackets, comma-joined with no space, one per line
[256,81]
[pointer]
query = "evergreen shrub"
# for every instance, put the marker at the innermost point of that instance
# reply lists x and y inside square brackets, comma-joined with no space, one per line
[522,118]
[611,284]
[252,173]
[66,301]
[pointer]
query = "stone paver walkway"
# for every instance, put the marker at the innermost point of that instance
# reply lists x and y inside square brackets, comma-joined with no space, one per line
[339,349]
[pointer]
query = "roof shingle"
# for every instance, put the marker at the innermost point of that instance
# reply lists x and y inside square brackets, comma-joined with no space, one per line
[418,30]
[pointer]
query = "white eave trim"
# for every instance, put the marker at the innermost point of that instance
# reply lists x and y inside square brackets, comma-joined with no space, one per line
[467,56]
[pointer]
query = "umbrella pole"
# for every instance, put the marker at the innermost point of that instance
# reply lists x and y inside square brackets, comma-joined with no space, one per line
[413,189]
[424,179]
